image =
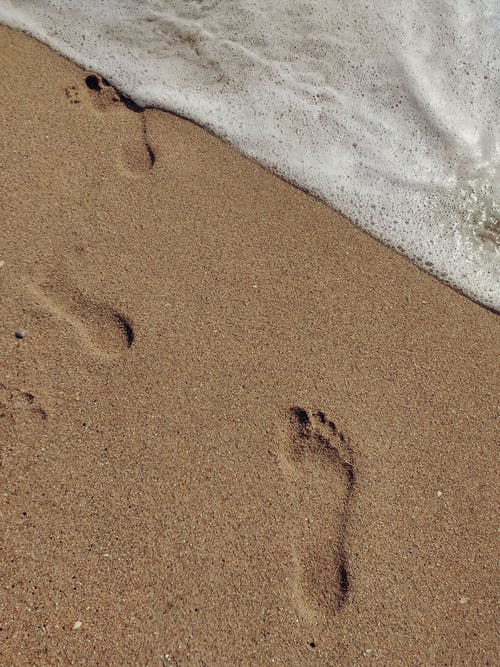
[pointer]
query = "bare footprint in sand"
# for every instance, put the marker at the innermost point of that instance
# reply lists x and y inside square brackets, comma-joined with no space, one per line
[318,463]
[104,330]
[136,157]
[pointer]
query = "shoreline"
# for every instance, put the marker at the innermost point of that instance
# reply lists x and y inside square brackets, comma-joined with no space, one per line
[137,108]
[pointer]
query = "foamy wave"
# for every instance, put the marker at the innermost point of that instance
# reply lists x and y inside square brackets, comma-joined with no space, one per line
[388,111]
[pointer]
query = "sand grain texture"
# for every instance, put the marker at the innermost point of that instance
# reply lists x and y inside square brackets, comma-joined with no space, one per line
[164,502]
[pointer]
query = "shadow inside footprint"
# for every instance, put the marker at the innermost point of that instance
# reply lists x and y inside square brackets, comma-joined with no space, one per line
[126,327]
[320,467]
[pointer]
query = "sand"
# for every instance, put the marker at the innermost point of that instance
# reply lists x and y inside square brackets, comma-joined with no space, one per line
[238,430]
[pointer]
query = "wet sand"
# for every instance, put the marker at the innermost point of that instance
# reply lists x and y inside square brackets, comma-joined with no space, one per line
[238,430]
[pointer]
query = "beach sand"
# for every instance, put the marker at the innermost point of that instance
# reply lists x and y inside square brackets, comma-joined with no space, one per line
[238,431]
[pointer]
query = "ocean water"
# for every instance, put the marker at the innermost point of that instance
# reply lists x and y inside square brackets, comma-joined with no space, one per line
[388,110]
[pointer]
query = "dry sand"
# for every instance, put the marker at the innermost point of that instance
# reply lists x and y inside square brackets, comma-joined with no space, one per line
[174,491]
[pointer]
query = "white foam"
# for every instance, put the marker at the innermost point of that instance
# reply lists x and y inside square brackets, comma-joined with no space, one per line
[387,110]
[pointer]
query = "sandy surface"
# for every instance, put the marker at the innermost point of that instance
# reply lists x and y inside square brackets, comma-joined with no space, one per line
[238,431]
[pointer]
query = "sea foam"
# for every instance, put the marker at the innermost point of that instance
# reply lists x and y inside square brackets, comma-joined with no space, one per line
[387,110]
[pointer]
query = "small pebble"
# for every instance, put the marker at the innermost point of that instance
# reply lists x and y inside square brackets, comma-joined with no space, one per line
[77,625]
[463,600]
[440,493]
[21,333]
[2,262]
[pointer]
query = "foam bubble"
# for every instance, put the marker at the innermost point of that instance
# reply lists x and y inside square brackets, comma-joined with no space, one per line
[388,111]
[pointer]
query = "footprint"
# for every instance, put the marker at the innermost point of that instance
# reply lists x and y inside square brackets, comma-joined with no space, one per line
[318,463]
[138,158]
[105,330]
[14,403]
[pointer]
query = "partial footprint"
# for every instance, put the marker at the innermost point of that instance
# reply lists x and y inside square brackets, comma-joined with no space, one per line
[73,94]
[318,463]
[103,329]
[138,156]
[102,95]
[15,403]
[94,90]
